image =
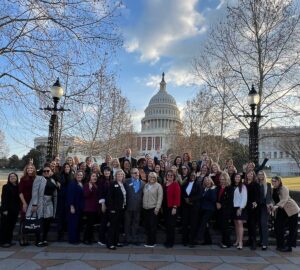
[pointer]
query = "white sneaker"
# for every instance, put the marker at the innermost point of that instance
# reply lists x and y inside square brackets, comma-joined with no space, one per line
[149,246]
[100,243]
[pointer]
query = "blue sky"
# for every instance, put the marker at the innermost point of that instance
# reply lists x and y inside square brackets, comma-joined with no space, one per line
[159,36]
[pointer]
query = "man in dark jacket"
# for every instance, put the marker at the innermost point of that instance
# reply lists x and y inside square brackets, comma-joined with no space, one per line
[134,196]
[128,157]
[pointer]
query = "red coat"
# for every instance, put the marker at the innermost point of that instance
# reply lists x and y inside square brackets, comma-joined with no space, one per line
[173,194]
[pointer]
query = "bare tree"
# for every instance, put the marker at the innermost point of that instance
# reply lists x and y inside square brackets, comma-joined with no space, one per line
[257,43]
[290,144]
[3,146]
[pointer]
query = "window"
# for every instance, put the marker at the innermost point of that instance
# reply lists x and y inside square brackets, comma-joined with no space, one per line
[275,154]
[281,154]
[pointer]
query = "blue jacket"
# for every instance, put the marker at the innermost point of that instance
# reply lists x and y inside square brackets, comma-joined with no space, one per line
[208,199]
[75,196]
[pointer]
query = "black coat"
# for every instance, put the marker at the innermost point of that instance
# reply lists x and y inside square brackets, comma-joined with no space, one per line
[10,200]
[226,200]
[253,194]
[115,197]
[133,162]
[194,197]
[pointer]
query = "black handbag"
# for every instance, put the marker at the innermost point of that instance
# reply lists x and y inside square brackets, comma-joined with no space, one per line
[32,225]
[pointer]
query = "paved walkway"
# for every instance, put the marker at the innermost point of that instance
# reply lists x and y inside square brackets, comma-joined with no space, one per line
[64,256]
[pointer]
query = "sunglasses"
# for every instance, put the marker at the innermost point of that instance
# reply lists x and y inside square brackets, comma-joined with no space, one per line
[46,171]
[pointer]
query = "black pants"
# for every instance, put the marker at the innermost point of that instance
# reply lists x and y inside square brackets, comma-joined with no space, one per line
[263,224]
[225,227]
[282,220]
[150,226]
[115,220]
[170,221]
[204,234]
[103,227]
[190,217]
[8,223]
[46,222]
[89,226]
[252,222]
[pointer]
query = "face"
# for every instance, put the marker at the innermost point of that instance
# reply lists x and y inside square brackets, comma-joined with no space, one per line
[251,166]
[193,177]
[57,160]
[237,179]
[135,174]
[106,173]
[47,172]
[214,169]
[89,161]
[93,178]
[275,183]
[147,156]
[126,165]
[95,168]
[108,159]
[13,179]
[152,179]
[250,176]
[204,169]
[194,165]
[127,152]
[174,169]
[222,181]
[67,169]
[178,161]
[157,168]
[164,158]
[79,176]
[115,164]
[230,169]
[70,161]
[119,176]
[184,170]
[170,177]
[260,176]
[162,164]
[206,182]
[204,156]
[83,166]
[53,165]
[30,170]
[150,162]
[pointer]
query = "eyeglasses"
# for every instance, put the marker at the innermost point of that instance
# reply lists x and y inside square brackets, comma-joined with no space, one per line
[47,171]
[273,180]
[135,172]
[169,174]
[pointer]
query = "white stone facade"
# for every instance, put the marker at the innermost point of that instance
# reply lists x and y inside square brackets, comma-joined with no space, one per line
[271,146]
[161,117]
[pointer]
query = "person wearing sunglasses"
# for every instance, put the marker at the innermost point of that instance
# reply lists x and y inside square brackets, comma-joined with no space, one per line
[43,203]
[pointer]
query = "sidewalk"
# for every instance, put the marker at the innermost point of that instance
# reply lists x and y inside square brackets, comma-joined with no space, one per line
[82,257]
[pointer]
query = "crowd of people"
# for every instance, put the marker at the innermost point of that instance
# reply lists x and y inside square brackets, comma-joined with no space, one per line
[124,193]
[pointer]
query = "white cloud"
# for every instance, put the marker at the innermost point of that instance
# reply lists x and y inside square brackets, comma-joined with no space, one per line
[136,119]
[163,24]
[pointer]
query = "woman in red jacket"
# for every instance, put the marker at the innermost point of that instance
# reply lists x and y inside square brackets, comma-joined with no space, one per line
[171,202]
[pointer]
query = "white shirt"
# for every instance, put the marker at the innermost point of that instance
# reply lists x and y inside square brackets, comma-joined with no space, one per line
[240,198]
[189,188]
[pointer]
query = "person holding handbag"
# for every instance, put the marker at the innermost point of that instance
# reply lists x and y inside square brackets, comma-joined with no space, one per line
[43,203]
[10,204]
[286,213]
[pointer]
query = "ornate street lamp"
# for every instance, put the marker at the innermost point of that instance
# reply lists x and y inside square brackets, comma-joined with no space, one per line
[253,100]
[52,147]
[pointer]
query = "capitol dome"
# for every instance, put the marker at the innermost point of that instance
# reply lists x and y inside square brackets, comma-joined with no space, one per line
[162,112]
[162,116]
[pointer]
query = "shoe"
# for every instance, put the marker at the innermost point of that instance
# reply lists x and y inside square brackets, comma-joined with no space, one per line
[286,249]
[239,247]
[23,243]
[6,245]
[235,244]
[112,247]
[223,246]
[101,243]
[40,244]
[149,246]
[120,245]
[264,248]
[45,243]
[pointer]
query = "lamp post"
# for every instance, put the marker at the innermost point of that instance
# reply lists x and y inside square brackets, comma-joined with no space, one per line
[52,147]
[253,100]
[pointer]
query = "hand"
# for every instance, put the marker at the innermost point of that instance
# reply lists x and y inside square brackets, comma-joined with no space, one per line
[245,167]
[254,205]
[103,208]
[33,209]
[58,184]
[274,208]
[72,209]
[219,206]
[173,211]
[25,207]
[239,212]
[156,212]
[112,211]
[5,213]
[187,200]
[90,186]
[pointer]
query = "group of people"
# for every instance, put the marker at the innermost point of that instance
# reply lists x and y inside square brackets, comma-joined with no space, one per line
[124,193]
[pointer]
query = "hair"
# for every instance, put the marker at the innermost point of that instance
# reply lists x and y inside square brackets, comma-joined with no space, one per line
[87,158]
[132,170]
[217,165]
[265,176]
[278,178]
[188,156]
[25,170]
[187,167]
[114,160]
[170,171]
[197,166]
[97,166]
[80,164]
[210,180]
[106,168]
[126,160]
[152,174]
[79,171]
[174,163]
[64,166]
[225,175]
[141,161]
[119,171]
[193,174]
[90,176]
[240,185]
[12,173]
[204,152]
[70,158]
[246,176]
